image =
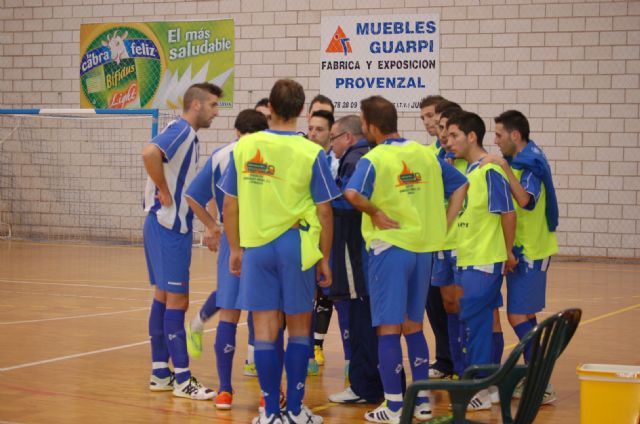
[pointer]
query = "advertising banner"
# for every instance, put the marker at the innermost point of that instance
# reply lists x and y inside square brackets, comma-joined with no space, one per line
[395,56]
[150,65]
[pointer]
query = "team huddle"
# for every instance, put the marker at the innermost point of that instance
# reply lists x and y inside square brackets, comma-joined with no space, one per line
[352,216]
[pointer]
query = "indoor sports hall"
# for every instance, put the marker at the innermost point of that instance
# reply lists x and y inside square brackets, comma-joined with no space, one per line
[74,287]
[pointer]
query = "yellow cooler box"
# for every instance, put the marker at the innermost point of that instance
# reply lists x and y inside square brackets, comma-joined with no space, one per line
[609,394]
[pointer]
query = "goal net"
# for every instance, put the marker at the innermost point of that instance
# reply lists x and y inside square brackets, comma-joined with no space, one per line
[74,174]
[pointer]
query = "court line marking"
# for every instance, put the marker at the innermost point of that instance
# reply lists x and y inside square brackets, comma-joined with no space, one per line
[93,352]
[109,401]
[511,346]
[30,321]
[86,280]
[595,268]
[594,319]
[145,289]
[80,296]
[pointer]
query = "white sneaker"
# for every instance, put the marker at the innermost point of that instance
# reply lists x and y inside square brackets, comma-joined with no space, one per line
[422,412]
[480,402]
[346,396]
[191,389]
[494,394]
[436,374]
[382,414]
[549,393]
[157,384]
[263,419]
[304,417]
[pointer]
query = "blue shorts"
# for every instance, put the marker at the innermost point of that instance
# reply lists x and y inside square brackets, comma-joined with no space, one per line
[272,278]
[168,255]
[228,284]
[398,285]
[444,269]
[527,287]
[481,290]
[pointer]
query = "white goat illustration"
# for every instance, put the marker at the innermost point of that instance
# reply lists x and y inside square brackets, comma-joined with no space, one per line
[116,46]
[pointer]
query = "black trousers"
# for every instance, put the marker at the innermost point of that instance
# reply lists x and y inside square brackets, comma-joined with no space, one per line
[438,321]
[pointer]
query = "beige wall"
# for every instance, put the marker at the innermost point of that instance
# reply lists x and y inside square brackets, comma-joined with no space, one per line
[572,67]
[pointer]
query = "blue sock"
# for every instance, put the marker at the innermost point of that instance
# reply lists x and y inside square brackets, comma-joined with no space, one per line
[225,348]
[312,353]
[159,350]
[280,349]
[455,344]
[418,358]
[251,339]
[342,307]
[295,361]
[177,343]
[522,329]
[464,337]
[268,373]
[209,308]
[498,347]
[390,358]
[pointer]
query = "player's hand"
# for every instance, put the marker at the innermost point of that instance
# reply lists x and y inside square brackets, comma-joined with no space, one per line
[383,222]
[490,158]
[165,198]
[235,262]
[510,264]
[323,273]
[212,238]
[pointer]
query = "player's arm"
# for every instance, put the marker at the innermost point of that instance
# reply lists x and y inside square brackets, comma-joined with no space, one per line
[455,189]
[323,190]
[200,193]
[364,205]
[210,225]
[153,157]
[325,215]
[517,190]
[231,212]
[455,203]
[500,202]
[358,191]
[508,222]
[212,235]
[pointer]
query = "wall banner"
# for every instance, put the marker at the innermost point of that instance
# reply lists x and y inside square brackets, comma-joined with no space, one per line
[395,56]
[150,65]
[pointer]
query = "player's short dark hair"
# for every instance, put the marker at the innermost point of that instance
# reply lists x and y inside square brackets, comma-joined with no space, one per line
[262,102]
[323,100]
[381,113]
[198,92]
[326,115]
[514,120]
[287,99]
[446,104]
[350,123]
[469,122]
[431,100]
[450,111]
[249,121]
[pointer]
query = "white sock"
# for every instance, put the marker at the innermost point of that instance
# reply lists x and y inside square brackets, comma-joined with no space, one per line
[250,358]
[196,324]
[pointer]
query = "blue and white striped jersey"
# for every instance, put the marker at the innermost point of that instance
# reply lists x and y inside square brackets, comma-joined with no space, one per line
[203,188]
[179,144]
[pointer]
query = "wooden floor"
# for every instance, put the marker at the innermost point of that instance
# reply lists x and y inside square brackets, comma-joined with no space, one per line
[73,325]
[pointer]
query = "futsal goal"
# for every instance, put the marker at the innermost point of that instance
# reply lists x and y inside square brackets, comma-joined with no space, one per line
[74,174]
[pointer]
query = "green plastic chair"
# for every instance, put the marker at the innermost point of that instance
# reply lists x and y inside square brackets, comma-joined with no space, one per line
[549,339]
